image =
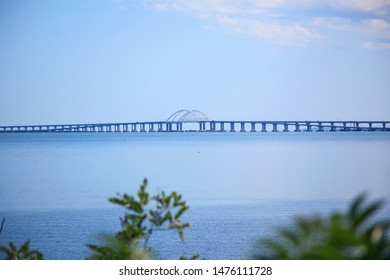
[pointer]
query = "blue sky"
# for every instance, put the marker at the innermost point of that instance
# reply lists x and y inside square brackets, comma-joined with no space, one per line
[140,60]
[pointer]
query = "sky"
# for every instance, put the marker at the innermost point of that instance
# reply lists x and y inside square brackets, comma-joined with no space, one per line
[141,60]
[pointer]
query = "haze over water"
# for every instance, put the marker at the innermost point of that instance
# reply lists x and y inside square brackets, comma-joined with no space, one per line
[82,170]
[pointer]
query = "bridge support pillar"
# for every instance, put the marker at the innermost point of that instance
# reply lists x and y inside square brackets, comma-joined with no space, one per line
[357,126]
[263,127]
[134,127]
[285,127]
[308,127]
[143,127]
[242,127]
[274,127]
[320,127]
[201,126]
[232,127]
[253,127]
[297,127]
[332,127]
[222,127]
[212,126]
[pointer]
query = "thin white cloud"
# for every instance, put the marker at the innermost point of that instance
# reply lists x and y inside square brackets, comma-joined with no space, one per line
[378,27]
[271,30]
[298,22]
[209,7]
[335,23]
[376,45]
[380,7]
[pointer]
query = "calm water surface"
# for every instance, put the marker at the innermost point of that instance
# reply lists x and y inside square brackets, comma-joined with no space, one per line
[54,187]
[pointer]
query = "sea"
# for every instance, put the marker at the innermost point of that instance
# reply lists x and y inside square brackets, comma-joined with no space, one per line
[241,187]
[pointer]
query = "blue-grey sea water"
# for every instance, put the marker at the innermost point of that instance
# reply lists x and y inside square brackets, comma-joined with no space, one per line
[240,186]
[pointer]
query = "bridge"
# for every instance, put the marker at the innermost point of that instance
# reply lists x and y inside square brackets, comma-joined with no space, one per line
[197,121]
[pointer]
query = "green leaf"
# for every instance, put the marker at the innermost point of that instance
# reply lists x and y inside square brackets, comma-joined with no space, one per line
[354,208]
[181,212]
[366,213]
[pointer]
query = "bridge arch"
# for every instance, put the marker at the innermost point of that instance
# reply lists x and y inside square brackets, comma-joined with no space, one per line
[186,116]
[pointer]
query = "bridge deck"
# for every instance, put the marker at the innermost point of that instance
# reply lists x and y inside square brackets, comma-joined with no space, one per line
[205,126]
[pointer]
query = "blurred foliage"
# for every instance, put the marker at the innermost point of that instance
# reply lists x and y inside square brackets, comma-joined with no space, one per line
[12,252]
[193,257]
[355,234]
[140,221]
[117,249]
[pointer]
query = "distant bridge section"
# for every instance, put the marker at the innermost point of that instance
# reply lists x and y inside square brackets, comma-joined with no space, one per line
[178,121]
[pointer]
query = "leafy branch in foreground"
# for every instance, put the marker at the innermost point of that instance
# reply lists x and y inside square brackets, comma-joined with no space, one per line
[12,252]
[350,235]
[140,222]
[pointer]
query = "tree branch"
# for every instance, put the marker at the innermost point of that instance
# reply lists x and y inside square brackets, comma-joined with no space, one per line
[2,224]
